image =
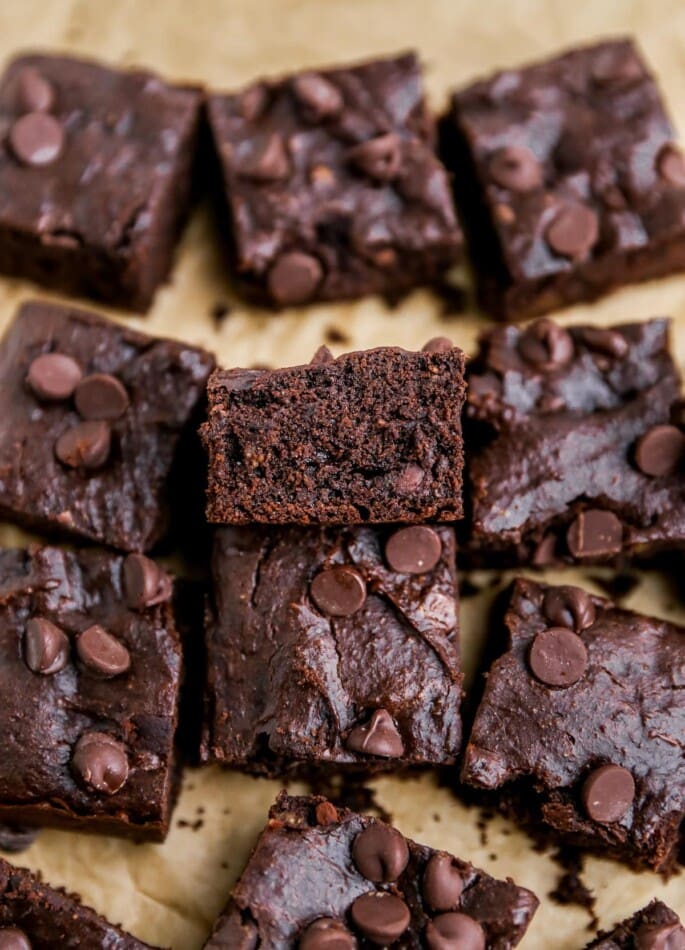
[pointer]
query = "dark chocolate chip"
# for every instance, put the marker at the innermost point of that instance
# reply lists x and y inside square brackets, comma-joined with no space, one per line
[318,96]
[546,346]
[670,163]
[438,344]
[545,552]
[145,583]
[660,937]
[266,160]
[558,657]
[454,932]
[46,647]
[12,938]
[338,591]
[322,355]
[413,550]
[379,736]
[443,882]
[604,340]
[53,376]
[33,92]
[17,838]
[327,933]
[102,653]
[516,168]
[381,917]
[569,607]
[102,397]
[608,792]
[595,533]
[100,761]
[379,158]
[573,231]
[37,139]
[253,102]
[294,278]
[85,445]
[660,451]
[326,814]
[380,853]
[409,479]
[484,388]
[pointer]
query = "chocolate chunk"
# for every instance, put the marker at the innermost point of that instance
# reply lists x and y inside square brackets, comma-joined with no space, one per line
[569,607]
[12,938]
[379,736]
[438,344]
[101,397]
[327,933]
[294,278]
[33,92]
[338,591]
[37,139]
[318,96]
[454,932]
[102,653]
[573,231]
[85,445]
[409,479]
[413,550]
[326,813]
[53,376]
[46,647]
[265,160]
[604,340]
[558,657]
[100,761]
[595,533]
[660,937]
[608,793]
[380,853]
[17,838]
[381,917]
[379,158]
[660,451]
[546,346]
[145,583]
[516,168]
[670,163]
[443,882]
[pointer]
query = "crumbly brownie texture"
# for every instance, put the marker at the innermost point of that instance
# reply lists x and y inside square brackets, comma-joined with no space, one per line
[322,876]
[655,927]
[581,725]
[95,176]
[34,916]
[373,436]
[333,647]
[568,178]
[576,444]
[95,411]
[90,668]
[333,185]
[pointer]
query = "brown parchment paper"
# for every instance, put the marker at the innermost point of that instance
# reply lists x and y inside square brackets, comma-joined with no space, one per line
[169,894]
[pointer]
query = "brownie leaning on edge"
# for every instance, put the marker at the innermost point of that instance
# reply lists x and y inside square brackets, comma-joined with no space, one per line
[581,725]
[655,927]
[321,876]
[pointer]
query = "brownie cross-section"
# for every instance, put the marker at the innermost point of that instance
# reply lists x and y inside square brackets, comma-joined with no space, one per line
[654,927]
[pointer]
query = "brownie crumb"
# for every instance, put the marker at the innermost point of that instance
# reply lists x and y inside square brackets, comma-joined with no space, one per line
[335,335]
[453,299]
[346,792]
[219,312]
[617,586]
[570,888]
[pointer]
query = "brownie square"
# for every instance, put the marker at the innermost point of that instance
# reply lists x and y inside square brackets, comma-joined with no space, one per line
[334,190]
[568,179]
[34,916]
[576,444]
[90,669]
[581,724]
[332,648]
[373,436]
[323,876]
[95,411]
[95,176]
[655,926]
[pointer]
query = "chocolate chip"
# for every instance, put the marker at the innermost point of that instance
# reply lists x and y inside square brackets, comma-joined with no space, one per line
[338,591]
[322,355]
[85,445]
[319,98]
[294,278]
[12,938]
[145,583]
[37,139]
[100,761]
[545,552]
[558,657]
[546,346]
[102,397]
[595,533]
[33,92]
[102,653]
[46,647]
[608,793]
[615,66]
[326,814]
[327,933]
[413,550]
[438,344]
[381,917]
[573,231]
[670,163]
[569,607]
[17,838]
[660,937]
[409,479]
[379,736]
[660,451]
[253,102]
[266,159]
[380,853]
[516,168]
[454,932]
[379,158]
[53,376]
[604,340]
[443,882]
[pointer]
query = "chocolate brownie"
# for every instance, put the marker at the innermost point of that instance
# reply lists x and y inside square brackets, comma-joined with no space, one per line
[576,444]
[333,186]
[333,647]
[569,179]
[93,410]
[373,436]
[323,877]
[655,927]
[34,916]
[90,669]
[95,175]
[581,725]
